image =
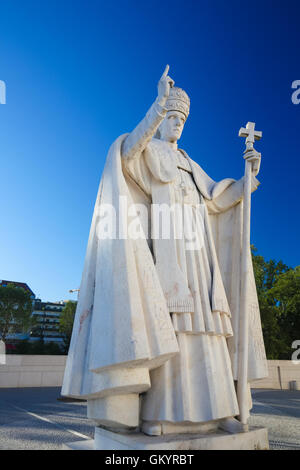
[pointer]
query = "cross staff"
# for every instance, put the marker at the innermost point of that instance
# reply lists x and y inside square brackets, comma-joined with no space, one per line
[242,385]
[251,134]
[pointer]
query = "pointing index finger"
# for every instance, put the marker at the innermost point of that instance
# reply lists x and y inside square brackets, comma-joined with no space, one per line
[166,71]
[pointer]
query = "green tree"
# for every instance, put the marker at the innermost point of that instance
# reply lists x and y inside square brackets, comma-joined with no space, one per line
[279,301]
[15,311]
[266,272]
[66,322]
[285,294]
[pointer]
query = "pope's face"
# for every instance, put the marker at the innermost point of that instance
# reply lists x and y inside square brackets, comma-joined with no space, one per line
[172,126]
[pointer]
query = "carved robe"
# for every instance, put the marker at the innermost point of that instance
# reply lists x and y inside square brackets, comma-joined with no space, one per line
[155,317]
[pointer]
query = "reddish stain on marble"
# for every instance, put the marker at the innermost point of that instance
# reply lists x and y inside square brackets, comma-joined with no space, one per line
[83,316]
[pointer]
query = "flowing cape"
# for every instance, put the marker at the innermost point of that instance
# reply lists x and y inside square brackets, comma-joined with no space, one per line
[122,320]
[122,326]
[226,222]
[227,229]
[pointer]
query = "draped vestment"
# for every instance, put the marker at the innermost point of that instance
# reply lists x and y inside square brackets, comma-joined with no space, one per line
[160,317]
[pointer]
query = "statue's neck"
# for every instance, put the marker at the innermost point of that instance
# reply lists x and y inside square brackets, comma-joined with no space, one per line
[173,145]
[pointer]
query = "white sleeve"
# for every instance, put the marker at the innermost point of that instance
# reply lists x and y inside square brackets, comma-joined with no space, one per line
[137,140]
[231,196]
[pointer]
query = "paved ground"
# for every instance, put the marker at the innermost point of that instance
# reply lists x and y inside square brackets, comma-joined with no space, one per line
[33,418]
[279,411]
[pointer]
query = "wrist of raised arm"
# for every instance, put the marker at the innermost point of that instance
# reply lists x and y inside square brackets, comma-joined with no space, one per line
[159,107]
[137,140]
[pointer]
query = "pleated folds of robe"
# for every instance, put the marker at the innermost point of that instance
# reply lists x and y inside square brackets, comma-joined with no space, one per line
[123,326]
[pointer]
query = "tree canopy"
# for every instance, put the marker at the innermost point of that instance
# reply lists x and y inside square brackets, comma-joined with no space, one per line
[15,311]
[66,322]
[278,289]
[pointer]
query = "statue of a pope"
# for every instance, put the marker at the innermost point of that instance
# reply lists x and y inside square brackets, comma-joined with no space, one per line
[156,343]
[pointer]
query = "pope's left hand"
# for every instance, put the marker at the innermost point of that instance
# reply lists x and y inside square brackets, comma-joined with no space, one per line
[254,157]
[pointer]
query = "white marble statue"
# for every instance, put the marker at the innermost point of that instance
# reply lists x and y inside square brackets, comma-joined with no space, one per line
[156,343]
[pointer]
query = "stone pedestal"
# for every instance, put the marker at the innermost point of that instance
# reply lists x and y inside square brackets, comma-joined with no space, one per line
[254,439]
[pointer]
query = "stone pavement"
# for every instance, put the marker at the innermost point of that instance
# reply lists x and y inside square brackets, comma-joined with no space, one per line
[33,418]
[279,411]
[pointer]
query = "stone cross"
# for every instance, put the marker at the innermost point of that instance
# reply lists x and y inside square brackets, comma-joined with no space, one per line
[251,134]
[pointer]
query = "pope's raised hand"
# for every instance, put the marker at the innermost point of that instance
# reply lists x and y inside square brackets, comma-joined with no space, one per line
[164,85]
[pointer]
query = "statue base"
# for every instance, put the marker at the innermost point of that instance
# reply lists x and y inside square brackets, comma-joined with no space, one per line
[254,439]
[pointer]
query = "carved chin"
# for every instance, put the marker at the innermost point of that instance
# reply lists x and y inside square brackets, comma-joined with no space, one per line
[177,135]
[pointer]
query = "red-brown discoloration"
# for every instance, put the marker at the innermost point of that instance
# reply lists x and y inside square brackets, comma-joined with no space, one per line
[83,316]
[172,292]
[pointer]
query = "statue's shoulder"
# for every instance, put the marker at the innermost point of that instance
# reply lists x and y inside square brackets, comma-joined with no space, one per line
[160,160]
[155,141]
[156,144]
[159,148]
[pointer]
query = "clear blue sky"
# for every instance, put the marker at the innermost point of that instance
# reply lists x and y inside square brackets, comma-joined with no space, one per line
[80,73]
